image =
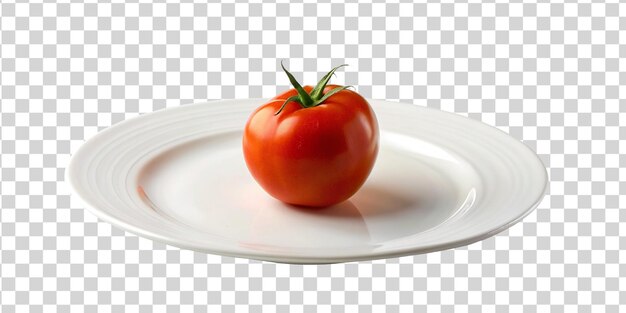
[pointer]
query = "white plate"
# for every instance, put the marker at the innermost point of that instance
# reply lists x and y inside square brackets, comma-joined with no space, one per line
[178,176]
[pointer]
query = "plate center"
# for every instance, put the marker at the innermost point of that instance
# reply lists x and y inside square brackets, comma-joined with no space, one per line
[204,184]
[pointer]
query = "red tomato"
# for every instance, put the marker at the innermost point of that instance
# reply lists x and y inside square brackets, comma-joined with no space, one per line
[315,156]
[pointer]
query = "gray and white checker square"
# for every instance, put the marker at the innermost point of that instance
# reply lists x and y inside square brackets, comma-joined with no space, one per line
[550,74]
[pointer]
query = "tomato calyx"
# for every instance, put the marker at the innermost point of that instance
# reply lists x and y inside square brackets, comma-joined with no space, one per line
[317,95]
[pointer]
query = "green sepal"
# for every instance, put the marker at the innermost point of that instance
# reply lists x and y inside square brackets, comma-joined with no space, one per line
[329,94]
[293,98]
[305,99]
[316,93]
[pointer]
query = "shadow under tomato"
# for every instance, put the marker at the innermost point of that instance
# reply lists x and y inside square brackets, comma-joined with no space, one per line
[368,201]
[373,215]
[344,209]
[372,200]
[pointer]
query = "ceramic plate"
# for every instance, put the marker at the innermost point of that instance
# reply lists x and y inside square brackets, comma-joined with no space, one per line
[178,176]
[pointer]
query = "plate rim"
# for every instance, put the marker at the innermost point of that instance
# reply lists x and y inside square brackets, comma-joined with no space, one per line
[70,179]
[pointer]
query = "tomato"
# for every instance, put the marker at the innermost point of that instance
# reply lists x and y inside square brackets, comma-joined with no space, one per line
[312,152]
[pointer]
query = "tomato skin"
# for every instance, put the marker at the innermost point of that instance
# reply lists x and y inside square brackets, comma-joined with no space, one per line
[316,156]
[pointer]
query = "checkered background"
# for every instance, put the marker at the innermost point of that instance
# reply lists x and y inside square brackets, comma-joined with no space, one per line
[552,75]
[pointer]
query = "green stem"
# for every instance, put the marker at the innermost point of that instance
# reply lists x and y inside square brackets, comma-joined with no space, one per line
[317,96]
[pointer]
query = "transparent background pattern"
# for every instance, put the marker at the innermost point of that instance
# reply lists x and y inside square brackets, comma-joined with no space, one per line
[551,74]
